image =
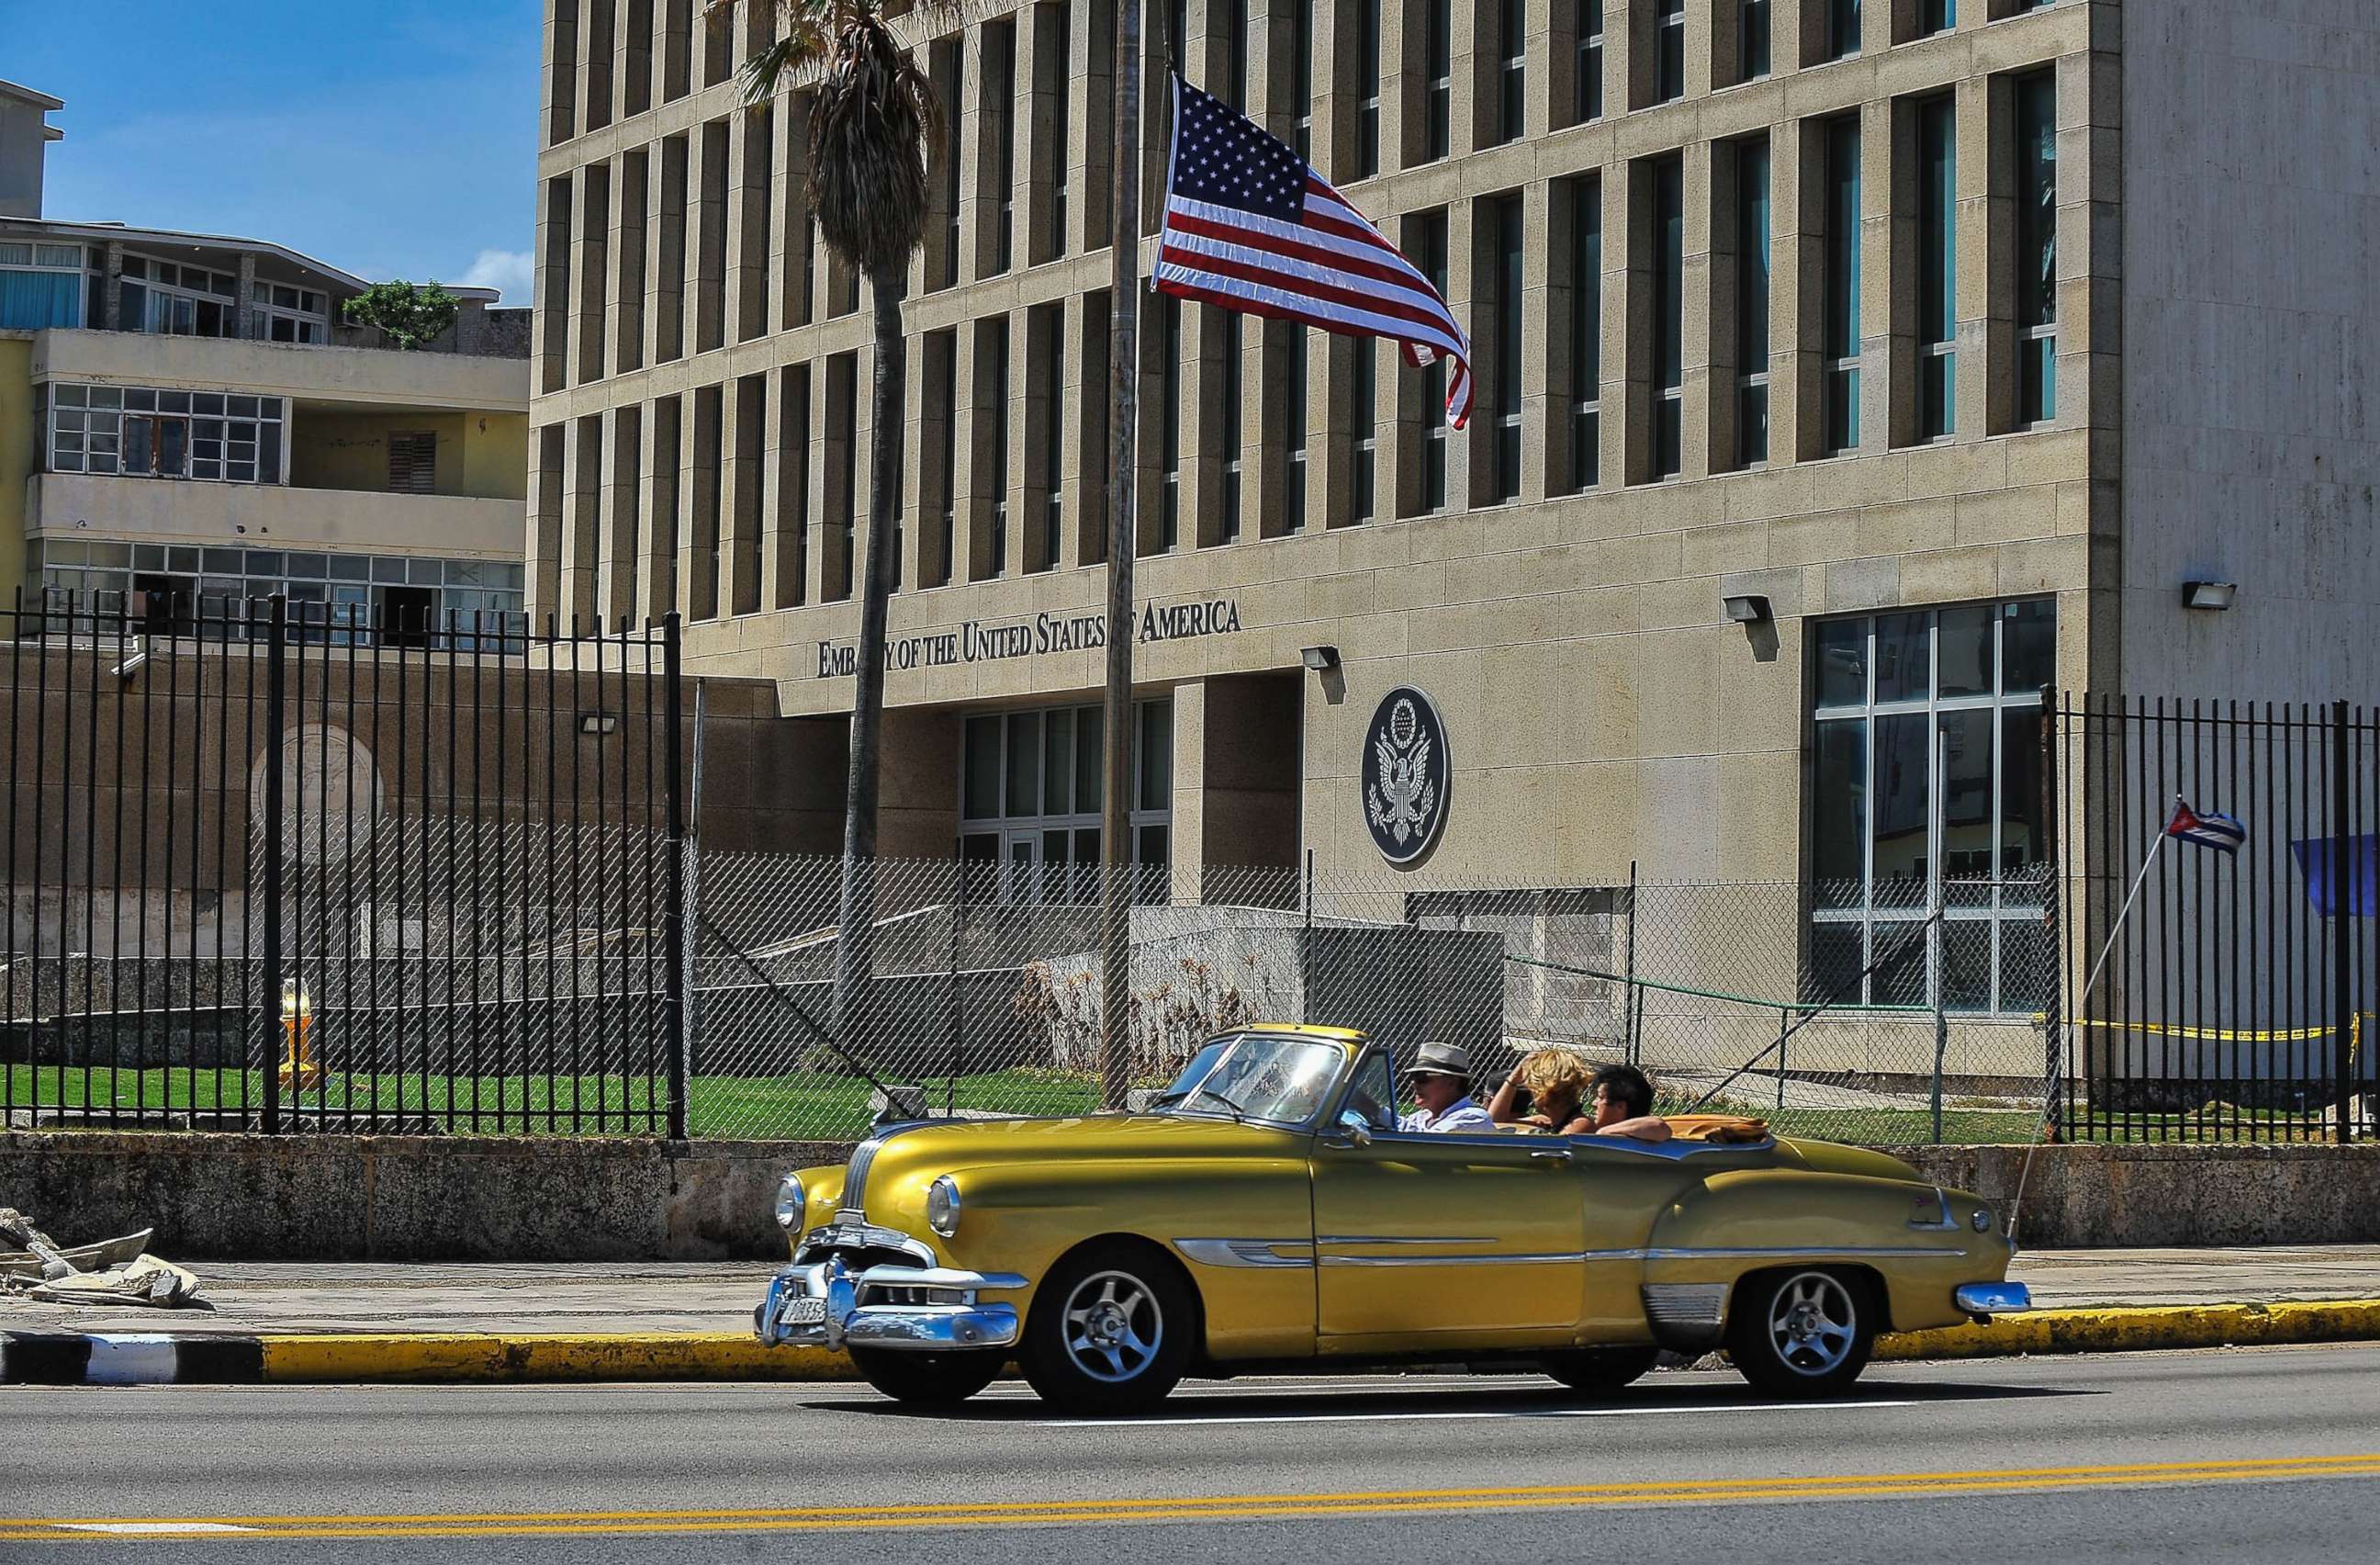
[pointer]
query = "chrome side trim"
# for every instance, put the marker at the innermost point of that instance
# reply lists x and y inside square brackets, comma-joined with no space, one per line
[1393,1239]
[1948,1224]
[1795,1250]
[1686,1315]
[1257,1252]
[1542,1259]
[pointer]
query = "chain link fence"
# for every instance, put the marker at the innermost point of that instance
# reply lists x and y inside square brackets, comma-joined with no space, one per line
[985,996]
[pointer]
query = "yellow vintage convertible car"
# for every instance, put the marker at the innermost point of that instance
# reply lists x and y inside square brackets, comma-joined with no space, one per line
[1265,1213]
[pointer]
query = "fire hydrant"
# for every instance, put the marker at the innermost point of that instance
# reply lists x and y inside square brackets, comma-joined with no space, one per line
[298,1071]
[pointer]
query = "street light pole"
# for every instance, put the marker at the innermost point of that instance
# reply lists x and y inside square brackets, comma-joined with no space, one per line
[1124,408]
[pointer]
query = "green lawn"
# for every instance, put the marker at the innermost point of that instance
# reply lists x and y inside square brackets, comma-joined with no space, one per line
[818,1106]
[803,1106]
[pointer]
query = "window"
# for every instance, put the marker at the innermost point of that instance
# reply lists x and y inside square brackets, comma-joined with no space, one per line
[1590,60]
[1840,282]
[1427,248]
[1586,332]
[2036,247]
[1229,335]
[1000,137]
[1232,16]
[1670,52]
[1513,71]
[1926,755]
[170,299]
[285,313]
[1062,146]
[1292,496]
[941,376]
[41,285]
[1301,80]
[140,431]
[1367,87]
[334,598]
[1364,410]
[1054,435]
[1504,476]
[1842,28]
[1752,47]
[1751,302]
[1936,16]
[1668,315]
[1031,785]
[1169,497]
[1937,257]
[1437,80]
[993,376]
[412,462]
[948,69]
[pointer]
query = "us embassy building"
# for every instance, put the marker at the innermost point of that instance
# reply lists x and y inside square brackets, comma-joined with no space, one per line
[1848,373]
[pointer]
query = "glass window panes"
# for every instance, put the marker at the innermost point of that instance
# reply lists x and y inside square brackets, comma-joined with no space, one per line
[1926,792]
[1030,791]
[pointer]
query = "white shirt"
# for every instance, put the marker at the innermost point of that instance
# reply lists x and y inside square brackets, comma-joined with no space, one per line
[1461,1115]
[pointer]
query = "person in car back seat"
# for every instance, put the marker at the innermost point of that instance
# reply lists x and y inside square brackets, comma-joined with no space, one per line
[1623,1104]
[1568,1099]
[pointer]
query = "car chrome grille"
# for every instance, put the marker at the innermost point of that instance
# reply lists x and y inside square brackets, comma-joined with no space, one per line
[854,1179]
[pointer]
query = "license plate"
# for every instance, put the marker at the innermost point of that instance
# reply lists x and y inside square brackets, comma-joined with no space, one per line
[802,1312]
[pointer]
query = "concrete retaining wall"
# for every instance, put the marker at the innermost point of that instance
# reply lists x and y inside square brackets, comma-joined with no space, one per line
[397,1198]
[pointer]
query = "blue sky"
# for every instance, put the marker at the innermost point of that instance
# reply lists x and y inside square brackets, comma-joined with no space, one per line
[396,138]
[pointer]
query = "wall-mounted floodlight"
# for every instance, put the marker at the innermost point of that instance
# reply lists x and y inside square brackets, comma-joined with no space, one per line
[597,722]
[1748,608]
[2209,594]
[1320,659]
[132,666]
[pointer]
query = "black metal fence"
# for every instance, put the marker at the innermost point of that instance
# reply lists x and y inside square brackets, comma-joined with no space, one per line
[2237,999]
[276,866]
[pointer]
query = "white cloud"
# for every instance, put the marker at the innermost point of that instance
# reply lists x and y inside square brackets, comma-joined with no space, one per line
[512,271]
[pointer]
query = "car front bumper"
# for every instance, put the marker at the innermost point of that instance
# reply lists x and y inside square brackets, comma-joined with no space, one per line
[908,1309]
[1984,1299]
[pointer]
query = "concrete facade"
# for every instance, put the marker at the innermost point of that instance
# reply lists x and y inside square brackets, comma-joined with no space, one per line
[513,1199]
[701,415]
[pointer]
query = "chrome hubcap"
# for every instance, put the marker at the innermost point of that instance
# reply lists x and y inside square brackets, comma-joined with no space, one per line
[1813,1324]
[1113,1327]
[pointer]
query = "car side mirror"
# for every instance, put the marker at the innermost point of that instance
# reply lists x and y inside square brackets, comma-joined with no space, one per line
[1354,1126]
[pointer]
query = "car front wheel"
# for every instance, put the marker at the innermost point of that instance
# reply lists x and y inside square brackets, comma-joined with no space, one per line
[927,1379]
[1601,1369]
[1800,1334]
[1110,1332]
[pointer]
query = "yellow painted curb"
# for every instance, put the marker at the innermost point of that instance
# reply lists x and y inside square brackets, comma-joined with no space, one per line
[558,1355]
[729,1356]
[2134,1330]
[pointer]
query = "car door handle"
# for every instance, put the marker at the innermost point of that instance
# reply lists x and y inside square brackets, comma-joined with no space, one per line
[1553,1153]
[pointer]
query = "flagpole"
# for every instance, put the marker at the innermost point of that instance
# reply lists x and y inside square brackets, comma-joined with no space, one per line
[1123,407]
[2016,1207]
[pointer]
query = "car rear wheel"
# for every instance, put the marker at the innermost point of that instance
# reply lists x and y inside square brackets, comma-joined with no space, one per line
[1599,1369]
[1800,1334]
[927,1379]
[1111,1331]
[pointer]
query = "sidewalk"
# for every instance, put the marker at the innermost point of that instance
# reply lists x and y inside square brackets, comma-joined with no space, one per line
[642,1299]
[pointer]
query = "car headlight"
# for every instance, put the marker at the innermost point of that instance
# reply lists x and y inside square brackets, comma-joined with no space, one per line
[790,1201]
[943,1207]
[1983,1220]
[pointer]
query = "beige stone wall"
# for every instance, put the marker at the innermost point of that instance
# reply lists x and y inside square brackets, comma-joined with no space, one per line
[705,404]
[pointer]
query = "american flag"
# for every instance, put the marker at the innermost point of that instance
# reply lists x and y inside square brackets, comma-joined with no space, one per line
[1250,227]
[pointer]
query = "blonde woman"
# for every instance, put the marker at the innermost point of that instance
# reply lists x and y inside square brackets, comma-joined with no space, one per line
[1567,1097]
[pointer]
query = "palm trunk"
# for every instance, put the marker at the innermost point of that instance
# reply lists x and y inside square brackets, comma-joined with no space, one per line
[855,951]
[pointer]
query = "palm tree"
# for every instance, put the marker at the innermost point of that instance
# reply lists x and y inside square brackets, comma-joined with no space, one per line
[872,117]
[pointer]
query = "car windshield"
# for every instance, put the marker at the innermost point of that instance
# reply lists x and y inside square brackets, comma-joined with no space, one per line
[1254,1076]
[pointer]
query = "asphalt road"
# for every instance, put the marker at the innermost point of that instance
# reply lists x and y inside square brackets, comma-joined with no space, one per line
[2263,1455]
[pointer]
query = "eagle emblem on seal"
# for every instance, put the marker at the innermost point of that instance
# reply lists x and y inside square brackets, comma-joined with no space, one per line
[1402,802]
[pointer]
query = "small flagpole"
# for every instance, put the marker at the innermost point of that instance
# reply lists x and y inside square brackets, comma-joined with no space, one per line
[2016,1207]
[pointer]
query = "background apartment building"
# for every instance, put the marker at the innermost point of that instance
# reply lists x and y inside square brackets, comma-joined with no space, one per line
[1848,374]
[189,415]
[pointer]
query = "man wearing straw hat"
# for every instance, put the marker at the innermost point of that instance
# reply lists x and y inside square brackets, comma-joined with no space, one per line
[1440,1078]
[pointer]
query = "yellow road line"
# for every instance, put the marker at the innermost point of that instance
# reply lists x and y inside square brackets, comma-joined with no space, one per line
[1230,1507]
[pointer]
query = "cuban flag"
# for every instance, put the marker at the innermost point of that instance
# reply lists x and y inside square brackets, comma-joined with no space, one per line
[2211,829]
